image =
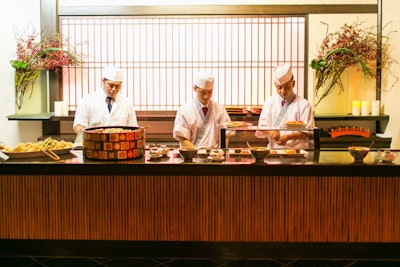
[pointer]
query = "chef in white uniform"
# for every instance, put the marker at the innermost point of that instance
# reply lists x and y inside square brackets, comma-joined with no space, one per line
[283,107]
[197,122]
[106,106]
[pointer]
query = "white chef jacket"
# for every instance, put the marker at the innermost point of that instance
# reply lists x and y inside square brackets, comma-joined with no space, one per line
[92,111]
[202,131]
[297,110]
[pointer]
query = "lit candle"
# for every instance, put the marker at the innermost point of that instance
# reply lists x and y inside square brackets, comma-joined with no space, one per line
[356,107]
[376,108]
[364,108]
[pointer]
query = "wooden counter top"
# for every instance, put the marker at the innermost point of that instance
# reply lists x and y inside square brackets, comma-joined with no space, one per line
[328,163]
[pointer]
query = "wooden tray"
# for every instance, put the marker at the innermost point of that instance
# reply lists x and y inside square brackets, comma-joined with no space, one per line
[281,153]
[35,154]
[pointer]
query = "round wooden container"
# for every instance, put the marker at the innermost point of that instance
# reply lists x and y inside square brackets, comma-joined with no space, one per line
[113,142]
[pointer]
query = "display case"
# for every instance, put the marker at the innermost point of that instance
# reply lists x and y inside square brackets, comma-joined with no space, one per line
[242,137]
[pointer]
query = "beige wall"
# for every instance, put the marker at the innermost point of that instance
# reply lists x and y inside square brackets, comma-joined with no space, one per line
[13,132]
[17,15]
[357,89]
[391,90]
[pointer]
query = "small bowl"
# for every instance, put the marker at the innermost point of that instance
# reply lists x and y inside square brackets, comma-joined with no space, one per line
[358,152]
[164,150]
[259,153]
[188,153]
[203,152]
[216,155]
[387,156]
[155,155]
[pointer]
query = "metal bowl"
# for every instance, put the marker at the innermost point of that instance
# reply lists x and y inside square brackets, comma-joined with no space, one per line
[358,152]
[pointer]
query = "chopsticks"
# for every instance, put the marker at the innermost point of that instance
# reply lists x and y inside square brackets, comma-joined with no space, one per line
[51,154]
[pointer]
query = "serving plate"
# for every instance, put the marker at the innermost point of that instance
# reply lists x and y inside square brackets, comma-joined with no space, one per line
[215,158]
[240,153]
[291,124]
[286,153]
[35,154]
[154,156]
[236,124]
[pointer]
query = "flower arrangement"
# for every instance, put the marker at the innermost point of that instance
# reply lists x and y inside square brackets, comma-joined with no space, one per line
[35,53]
[351,46]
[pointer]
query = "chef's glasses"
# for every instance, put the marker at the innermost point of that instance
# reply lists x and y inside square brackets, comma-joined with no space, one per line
[112,85]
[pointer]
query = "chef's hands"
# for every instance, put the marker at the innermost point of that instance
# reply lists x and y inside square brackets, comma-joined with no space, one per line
[275,135]
[278,138]
[186,143]
[283,139]
[79,128]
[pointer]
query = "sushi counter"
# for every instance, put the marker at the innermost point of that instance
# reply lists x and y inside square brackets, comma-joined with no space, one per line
[307,197]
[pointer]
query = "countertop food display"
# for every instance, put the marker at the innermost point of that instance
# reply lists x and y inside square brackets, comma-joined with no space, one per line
[113,143]
[38,149]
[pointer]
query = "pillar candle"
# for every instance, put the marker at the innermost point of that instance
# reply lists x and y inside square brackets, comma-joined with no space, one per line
[58,108]
[65,109]
[356,107]
[364,108]
[376,108]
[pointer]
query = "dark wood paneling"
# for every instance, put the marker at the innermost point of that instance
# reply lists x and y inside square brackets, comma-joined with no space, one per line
[201,208]
[216,10]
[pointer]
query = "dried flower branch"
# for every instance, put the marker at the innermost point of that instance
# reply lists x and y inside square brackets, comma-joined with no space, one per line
[36,53]
[351,46]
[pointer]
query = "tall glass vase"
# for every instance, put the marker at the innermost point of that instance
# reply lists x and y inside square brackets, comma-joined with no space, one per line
[31,92]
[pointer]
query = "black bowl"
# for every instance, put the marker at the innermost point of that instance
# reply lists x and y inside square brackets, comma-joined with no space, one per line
[259,153]
[358,152]
[188,153]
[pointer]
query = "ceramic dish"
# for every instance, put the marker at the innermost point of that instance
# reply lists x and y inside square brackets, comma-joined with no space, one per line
[387,156]
[155,156]
[240,153]
[215,158]
[287,153]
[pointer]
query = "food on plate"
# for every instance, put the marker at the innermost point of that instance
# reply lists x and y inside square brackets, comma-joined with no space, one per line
[46,144]
[255,148]
[109,130]
[237,124]
[283,151]
[294,123]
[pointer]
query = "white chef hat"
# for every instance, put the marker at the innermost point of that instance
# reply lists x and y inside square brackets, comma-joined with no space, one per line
[283,74]
[113,74]
[204,80]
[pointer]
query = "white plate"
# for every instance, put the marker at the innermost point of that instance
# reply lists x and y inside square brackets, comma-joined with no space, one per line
[282,153]
[239,153]
[155,156]
[381,135]
[237,124]
[165,152]
[216,159]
